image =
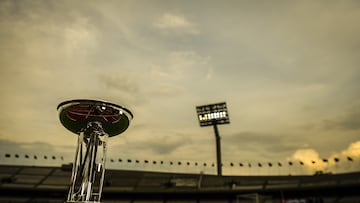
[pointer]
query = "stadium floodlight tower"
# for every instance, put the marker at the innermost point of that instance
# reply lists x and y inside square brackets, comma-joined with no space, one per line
[214,114]
[94,121]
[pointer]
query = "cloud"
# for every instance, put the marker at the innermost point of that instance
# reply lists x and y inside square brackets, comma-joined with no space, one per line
[351,121]
[168,144]
[187,63]
[308,156]
[79,37]
[259,144]
[119,82]
[178,72]
[159,144]
[176,23]
[124,88]
[159,63]
[183,65]
[34,147]
[165,90]
[352,151]
[345,160]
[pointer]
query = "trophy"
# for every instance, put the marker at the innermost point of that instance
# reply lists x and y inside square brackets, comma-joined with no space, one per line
[93,121]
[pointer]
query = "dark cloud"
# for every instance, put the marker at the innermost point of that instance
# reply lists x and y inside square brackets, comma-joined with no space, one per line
[119,82]
[167,144]
[33,147]
[261,144]
[350,121]
[157,144]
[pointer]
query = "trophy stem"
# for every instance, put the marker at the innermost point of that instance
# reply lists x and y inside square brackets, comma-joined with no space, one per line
[89,165]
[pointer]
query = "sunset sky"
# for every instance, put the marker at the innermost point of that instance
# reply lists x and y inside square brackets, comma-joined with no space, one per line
[289,72]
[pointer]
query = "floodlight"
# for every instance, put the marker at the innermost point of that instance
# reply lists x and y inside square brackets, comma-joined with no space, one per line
[214,114]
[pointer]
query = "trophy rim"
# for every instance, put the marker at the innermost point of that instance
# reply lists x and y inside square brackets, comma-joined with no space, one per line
[77,125]
[62,104]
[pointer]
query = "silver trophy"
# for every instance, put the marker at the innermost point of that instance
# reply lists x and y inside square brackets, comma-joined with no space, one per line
[94,121]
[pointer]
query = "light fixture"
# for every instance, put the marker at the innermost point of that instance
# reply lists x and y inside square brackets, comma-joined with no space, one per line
[214,114]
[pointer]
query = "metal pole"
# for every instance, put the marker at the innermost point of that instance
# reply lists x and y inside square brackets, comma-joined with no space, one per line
[218,150]
[89,167]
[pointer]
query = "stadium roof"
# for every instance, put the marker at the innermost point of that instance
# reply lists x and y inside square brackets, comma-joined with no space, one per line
[118,181]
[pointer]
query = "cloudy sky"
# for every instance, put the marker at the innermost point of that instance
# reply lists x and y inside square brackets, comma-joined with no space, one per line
[288,71]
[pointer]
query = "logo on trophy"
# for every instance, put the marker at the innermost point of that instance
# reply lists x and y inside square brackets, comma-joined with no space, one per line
[94,122]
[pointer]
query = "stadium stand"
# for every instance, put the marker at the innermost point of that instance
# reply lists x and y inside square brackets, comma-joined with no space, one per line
[50,184]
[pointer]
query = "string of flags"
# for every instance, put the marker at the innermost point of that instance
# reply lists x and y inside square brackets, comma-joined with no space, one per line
[232,164]
[188,163]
